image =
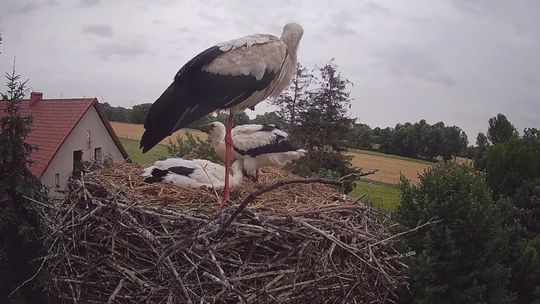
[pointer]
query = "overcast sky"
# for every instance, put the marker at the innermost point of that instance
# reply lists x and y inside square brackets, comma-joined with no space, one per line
[459,61]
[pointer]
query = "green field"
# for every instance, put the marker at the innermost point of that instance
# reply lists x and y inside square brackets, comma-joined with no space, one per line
[379,196]
[132,148]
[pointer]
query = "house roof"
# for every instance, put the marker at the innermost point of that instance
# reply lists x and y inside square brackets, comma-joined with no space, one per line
[53,121]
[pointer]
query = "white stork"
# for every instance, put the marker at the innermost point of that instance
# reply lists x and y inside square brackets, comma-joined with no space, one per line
[233,76]
[258,145]
[192,173]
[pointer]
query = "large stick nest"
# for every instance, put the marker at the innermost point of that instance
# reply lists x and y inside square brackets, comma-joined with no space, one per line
[116,239]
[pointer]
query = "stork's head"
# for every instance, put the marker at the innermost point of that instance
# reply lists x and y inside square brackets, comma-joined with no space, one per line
[215,130]
[292,33]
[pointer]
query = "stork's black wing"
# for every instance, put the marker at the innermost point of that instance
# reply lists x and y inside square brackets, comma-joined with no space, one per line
[196,93]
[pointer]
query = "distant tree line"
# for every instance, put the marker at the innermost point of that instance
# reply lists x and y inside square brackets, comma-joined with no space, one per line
[136,115]
[418,140]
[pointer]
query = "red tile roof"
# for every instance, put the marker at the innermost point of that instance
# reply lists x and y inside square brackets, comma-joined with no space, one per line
[53,120]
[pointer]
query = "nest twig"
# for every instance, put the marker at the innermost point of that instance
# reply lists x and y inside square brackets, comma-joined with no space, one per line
[111,241]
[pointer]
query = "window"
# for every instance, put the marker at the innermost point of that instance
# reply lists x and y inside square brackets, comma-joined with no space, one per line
[97,155]
[88,139]
[77,163]
[57,180]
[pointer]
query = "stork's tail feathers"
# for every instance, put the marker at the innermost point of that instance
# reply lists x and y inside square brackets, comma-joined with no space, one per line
[154,175]
[161,118]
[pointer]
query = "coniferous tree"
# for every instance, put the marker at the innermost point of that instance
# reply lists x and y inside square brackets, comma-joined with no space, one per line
[19,222]
[295,98]
[325,122]
[323,127]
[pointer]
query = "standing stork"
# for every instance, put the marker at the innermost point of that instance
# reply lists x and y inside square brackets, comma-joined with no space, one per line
[232,76]
[257,145]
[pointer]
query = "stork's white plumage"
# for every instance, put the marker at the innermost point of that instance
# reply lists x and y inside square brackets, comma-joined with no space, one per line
[258,145]
[194,173]
[233,76]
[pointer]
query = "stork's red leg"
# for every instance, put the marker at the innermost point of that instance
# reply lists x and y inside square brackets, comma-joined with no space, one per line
[228,148]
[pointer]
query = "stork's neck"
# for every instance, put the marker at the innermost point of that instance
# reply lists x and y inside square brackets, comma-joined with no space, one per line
[217,136]
[292,33]
[237,174]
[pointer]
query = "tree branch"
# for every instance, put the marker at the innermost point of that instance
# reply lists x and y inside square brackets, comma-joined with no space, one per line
[254,195]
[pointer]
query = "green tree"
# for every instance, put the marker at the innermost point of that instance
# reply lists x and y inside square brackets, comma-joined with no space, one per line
[531,133]
[19,222]
[240,118]
[139,112]
[500,129]
[116,113]
[268,118]
[460,259]
[509,165]
[454,143]
[526,270]
[422,140]
[362,136]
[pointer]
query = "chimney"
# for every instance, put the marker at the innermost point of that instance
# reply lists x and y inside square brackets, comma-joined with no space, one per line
[35,97]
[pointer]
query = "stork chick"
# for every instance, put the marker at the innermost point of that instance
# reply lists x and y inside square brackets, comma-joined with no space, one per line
[194,173]
[258,145]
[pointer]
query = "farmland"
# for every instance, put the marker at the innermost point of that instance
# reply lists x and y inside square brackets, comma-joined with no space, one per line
[135,132]
[390,166]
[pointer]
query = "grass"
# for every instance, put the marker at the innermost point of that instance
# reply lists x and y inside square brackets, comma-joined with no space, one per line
[379,196]
[132,148]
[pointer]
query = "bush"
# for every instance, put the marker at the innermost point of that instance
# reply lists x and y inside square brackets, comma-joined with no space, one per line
[324,163]
[460,259]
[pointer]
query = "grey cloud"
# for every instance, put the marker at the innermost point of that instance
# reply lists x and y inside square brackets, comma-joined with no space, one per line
[193,40]
[211,17]
[89,3]
[340,31]
[406,61]
[375,8]
[183,29]
[130,49]
[98,29]
[32,6]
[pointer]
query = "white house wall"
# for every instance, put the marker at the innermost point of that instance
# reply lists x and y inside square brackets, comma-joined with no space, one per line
[62,162]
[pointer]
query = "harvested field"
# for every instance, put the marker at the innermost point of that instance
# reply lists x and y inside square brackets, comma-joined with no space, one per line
[389,168]
[135,132]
